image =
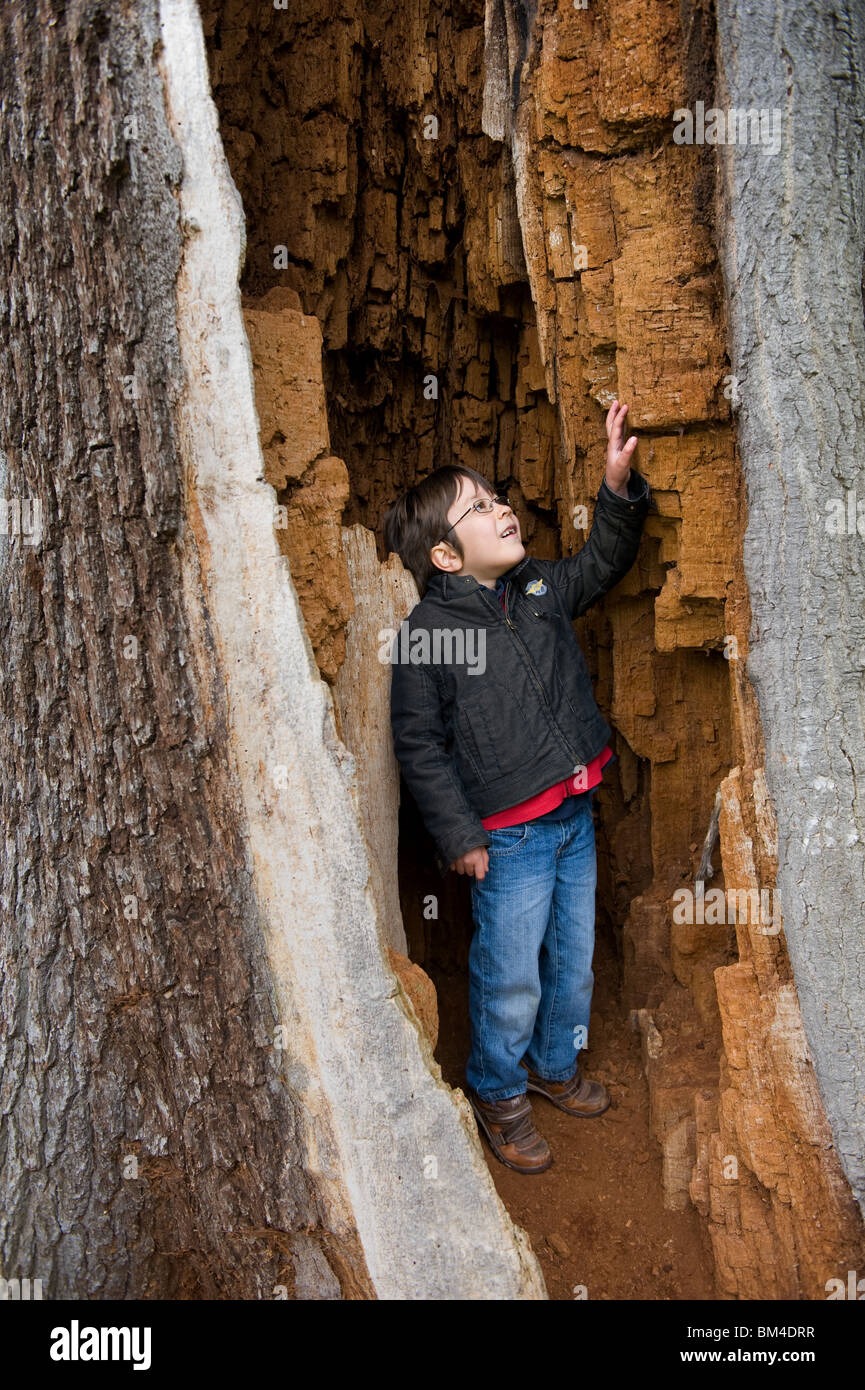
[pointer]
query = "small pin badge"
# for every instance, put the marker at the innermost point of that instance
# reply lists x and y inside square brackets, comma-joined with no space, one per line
[537,587]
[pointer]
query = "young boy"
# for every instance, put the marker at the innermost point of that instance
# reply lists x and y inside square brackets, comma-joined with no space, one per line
[501,753]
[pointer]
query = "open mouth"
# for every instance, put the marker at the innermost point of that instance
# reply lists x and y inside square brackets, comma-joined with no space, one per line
[510,531]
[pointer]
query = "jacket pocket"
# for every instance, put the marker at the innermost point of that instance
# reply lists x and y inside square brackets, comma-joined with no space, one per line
[466,746]
[575,684]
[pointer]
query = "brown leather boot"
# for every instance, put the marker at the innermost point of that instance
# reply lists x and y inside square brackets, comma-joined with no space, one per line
[510,1129]
[576,1096]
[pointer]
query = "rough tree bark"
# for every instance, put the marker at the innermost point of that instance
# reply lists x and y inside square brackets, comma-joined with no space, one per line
[793,265]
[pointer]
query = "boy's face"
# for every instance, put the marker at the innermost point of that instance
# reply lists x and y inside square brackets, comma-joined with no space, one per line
[491,541]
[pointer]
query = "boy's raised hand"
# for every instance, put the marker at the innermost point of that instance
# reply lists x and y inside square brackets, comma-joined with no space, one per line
[474,862]
[618,459]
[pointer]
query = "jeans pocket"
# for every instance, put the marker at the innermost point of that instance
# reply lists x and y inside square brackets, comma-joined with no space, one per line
[509,838]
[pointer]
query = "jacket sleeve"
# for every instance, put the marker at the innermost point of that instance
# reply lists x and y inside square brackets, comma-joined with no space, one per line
[429,771]
[610,550]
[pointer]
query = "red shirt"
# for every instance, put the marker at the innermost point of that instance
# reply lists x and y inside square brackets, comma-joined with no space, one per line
[553,796]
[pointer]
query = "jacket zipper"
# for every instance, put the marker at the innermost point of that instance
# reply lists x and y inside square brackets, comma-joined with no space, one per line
[531,669]
[507,619]
[531,606]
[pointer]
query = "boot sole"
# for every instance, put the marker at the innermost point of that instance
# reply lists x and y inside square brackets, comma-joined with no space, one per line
[527,1172]
[592,1115]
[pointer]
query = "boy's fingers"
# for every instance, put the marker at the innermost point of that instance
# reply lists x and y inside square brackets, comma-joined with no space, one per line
[615,416]
[467,864]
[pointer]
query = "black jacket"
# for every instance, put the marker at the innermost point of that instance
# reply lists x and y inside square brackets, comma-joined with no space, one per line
[517,713]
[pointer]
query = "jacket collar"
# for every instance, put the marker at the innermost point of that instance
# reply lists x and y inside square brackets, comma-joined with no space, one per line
[448,586]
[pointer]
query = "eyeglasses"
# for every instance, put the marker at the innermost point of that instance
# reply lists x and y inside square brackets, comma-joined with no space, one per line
[484,505]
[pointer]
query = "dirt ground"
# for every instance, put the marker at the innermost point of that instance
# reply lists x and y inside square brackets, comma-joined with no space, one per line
[596,1217]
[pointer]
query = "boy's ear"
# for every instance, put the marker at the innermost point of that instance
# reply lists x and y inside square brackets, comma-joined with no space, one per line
[444,557]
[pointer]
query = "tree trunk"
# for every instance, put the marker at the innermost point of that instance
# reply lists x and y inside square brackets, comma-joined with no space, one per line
[150,1141]
[195,1002]
[218,1076]
[793,246]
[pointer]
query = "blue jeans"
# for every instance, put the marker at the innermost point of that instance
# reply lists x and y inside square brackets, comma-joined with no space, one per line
[530,962]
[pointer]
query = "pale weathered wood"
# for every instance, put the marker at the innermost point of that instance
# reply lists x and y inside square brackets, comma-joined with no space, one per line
[383,596]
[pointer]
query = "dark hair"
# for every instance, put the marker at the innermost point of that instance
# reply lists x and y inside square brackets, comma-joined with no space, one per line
[418,519]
